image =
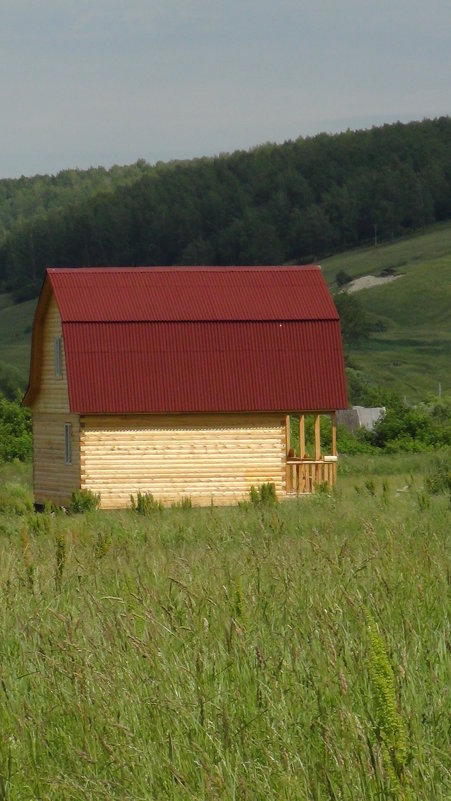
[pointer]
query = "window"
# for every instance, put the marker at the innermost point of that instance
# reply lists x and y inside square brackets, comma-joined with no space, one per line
[67,443]
[58,361]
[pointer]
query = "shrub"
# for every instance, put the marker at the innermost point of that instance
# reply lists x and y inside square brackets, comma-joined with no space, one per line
[438,479]
[263,494]
[342,278]
[403,424]
[15,431]
[183,503]
[11,378]
[145,504]
[102,543]
[403,428]
[353,443]
[39,523]
[15,499]
[354,320]
[83,501]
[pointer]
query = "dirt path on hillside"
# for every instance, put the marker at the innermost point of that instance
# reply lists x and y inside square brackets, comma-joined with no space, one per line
[368,281]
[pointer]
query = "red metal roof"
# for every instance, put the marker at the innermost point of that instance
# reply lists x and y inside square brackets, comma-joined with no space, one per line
[204,367]
[145,294]
[168,340]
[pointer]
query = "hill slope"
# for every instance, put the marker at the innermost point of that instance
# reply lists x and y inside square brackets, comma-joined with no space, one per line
[412,353]
[15,342]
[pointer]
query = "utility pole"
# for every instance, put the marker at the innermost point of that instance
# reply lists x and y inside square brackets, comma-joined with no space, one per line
[375,234]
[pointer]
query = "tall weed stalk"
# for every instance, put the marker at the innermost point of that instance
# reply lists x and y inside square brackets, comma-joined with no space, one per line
[390,728]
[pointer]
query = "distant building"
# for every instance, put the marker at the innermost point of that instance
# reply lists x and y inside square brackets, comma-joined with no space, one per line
[360,417]
[180,382]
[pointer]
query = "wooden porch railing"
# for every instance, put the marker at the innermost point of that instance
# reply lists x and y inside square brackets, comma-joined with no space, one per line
[304,474]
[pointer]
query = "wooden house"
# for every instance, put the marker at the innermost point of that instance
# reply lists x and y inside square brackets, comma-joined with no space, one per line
[181,381]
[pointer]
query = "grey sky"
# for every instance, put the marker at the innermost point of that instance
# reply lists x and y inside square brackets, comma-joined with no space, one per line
[110,81]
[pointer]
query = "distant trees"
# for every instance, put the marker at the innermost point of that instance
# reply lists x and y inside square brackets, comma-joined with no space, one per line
[355,322]
[277,203]
[27,198]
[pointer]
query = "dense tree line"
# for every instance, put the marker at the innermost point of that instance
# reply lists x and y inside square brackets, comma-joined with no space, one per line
[276,203]
[23,199]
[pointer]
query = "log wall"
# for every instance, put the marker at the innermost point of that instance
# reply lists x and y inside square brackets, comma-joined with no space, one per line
[53,480]
[211,459]
[53,395]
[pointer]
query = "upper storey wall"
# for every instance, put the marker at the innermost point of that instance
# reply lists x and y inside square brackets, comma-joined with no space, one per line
[52,395]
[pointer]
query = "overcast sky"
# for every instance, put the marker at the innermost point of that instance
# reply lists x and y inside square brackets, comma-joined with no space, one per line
[89,82]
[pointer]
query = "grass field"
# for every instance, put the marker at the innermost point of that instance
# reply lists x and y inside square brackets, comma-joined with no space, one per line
[413,353]
[421,247]
[15,338]
[297,651]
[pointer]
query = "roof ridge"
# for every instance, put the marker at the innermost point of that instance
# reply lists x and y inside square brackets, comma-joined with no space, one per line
[188,268]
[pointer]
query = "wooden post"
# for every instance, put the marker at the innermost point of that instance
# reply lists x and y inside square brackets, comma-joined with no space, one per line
[333,418]
[317,438]
[301,436]
[333,475]
[287,443]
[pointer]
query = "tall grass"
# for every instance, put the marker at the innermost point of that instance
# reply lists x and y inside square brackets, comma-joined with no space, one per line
[225,653]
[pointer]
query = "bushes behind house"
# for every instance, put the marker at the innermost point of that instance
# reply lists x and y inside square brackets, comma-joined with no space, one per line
[15,430]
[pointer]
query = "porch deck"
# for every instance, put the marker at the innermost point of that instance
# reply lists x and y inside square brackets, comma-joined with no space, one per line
[303,472]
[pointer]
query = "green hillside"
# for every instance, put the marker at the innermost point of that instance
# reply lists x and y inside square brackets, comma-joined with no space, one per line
[401,254]
[275,204]
[15,340]
[412,353]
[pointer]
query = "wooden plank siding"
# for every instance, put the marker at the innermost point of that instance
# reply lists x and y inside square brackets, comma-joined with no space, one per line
[53,395]
[209,458]
[53,479]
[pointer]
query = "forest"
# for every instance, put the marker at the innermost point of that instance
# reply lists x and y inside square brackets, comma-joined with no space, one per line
[294,202]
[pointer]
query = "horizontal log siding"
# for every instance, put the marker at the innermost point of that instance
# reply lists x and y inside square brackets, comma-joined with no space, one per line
[53,480]
[211,459]
[53,394]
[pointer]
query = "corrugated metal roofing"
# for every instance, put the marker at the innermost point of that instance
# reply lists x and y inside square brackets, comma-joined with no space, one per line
[168,340]
[204,367]
[191,293]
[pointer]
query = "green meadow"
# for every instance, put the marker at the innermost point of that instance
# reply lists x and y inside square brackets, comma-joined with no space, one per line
[412,352]
[280,651]
[15,340]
